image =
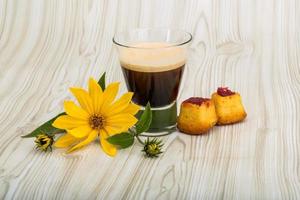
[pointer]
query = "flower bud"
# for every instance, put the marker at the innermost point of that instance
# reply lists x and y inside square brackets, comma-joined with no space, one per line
[152,148]
[44,142]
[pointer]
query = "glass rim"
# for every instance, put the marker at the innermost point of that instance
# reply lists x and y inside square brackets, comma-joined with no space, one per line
[190,37]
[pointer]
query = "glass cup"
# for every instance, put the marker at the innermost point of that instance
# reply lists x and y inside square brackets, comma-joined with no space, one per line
[153,62]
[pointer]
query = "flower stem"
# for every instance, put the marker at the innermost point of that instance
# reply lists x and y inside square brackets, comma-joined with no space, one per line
[139,139]
[133,132]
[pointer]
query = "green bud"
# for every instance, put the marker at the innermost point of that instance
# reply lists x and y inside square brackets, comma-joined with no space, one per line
[152,148]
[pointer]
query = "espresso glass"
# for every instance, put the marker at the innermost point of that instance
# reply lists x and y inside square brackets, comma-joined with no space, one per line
[153,62]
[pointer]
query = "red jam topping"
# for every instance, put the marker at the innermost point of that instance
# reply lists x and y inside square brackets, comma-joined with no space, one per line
[224,91]
[196,100]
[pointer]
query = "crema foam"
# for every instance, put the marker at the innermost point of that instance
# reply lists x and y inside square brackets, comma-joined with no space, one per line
[152,57]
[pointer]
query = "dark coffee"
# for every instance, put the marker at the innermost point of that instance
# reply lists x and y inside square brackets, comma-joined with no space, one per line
[160,88]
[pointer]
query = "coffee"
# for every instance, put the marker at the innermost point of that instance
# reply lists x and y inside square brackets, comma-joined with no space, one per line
[158,88]
[153,62]
[153,72]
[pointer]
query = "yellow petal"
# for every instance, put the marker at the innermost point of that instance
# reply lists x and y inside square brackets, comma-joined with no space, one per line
[92,136]
[95,92]
[108,148]
[75,111]
[120,104]
[83,99]
[114,130]
[68,122]
[65,141]
[132,109]
[80,132]
[109,95]
[123,120]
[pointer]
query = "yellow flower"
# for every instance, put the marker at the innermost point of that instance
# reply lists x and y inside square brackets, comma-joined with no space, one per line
[97,116]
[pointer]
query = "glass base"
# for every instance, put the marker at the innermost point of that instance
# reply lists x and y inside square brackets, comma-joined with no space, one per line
[164,121]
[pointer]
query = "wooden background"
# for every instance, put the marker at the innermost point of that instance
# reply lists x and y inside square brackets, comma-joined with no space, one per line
[252,46]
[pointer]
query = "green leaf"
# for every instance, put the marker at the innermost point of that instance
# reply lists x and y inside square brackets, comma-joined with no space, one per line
[123,140]
[101,81]
[46,128]
[145,120]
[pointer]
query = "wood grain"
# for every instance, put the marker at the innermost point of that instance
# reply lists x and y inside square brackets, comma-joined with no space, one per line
[250,46]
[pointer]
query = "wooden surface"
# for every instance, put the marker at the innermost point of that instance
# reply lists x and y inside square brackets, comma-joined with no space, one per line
[250,46]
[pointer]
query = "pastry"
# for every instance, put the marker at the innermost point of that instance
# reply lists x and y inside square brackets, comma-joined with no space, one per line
[197,116]
[229,107]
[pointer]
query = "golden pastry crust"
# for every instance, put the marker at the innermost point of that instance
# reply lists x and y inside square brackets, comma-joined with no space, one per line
[197,118]
[229,108]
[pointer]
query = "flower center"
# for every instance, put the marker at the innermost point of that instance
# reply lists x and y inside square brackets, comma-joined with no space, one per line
[96,122]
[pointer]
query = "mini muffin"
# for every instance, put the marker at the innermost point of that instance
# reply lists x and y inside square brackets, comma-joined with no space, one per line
[229,106]
[197,116]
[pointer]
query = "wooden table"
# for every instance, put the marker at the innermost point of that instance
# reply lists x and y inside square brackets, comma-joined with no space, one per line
[251,46]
